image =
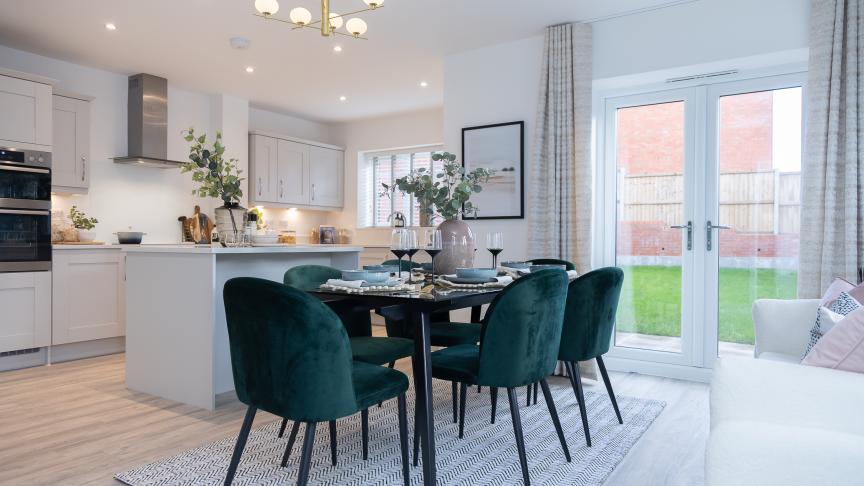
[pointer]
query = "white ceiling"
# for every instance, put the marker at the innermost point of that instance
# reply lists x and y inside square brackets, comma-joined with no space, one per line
[187,41]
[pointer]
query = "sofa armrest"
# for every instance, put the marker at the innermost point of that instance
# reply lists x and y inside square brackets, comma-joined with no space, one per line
[783,326]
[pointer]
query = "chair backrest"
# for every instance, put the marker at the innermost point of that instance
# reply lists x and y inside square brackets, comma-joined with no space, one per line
[406,265]
[592,301]
[290,354]
[357,320]
[310,277]
[522,330]
[553,261]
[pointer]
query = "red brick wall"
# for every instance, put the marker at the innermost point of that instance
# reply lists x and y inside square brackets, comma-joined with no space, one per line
[746,132]
[651,139]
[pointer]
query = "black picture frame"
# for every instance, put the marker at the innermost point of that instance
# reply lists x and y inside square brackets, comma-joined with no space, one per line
[520,187]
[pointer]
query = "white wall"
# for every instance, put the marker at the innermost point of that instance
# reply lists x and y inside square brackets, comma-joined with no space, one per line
[501,83]
[270,121]
[400,130]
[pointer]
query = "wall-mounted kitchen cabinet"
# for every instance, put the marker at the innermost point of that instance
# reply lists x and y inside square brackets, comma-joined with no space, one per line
[71,148]
[286,172]
[89,295]
[25,104]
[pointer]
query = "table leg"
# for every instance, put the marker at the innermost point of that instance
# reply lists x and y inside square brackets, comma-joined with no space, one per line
[423,388]
[475,313]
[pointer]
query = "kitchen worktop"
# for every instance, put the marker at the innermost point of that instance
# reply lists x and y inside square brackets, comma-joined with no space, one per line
[60,246]
[207,249]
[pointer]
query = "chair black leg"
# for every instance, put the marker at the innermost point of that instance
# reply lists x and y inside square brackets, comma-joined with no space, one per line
[479,389]
[536,386]
[403,437]
[550,404]
[240,444]
[463,394]
[576,383]
[364,425]
[493,392]
[517,430]
[528,396]
[332,424]
[454,391]
[291,438]
[608,384]
[416,439]
[282,427]
[306,458]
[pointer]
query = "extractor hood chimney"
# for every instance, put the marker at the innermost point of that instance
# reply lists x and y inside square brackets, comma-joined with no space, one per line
[148,123]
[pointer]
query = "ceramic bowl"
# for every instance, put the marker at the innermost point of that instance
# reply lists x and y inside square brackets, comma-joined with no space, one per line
[366,275]
[381,268]
[537,268]
[476,272]
[516,265]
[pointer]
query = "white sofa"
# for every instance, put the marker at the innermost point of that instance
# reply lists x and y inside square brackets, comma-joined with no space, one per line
[776,422]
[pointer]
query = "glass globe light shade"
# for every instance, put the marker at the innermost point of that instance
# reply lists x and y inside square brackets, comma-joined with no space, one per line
[267,7]
[335,20]
[356,27]
[300,16]
[373,3]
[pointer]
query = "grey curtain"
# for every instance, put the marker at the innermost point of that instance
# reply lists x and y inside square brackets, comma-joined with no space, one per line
[559,211]
[832,182]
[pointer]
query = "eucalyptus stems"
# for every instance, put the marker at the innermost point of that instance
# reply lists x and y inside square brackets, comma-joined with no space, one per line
[218,177]
[447,192]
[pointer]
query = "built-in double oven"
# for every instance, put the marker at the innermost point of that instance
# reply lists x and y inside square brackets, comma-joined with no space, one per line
[25,210]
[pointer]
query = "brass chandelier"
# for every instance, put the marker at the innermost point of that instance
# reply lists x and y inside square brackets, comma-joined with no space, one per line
[302,18]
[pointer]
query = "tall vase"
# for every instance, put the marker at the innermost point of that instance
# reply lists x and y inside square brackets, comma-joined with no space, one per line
[224,222]
[458,243]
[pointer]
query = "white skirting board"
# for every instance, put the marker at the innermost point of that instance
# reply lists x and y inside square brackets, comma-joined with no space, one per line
[63,352]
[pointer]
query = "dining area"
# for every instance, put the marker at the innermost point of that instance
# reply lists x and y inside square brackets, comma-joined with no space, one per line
[305,350]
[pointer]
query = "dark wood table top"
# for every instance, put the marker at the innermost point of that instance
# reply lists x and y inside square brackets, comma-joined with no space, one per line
[416,301]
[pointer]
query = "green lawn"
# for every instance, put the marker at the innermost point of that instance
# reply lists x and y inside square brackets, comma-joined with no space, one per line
[651,299]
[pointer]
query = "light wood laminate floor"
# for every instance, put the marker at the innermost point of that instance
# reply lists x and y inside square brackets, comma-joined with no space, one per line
[77,424]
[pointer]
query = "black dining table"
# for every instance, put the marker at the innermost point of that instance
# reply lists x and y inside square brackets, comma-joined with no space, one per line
[417,308]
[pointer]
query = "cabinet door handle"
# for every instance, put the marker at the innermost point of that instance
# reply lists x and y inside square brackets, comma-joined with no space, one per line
[313,192]
[281,188]
[259,187]
[83,168]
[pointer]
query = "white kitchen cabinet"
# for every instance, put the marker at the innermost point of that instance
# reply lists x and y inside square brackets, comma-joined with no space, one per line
[25,310]
[287,172]
[293,173]
[89,295]
[325,177]
[26,109]
[71,144]
[264,166]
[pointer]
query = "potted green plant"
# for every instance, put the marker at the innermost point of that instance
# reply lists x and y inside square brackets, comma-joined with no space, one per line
[217,177]
[83,224]
[446,194]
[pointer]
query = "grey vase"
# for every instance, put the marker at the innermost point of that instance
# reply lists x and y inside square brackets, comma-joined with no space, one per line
[458,243]
[224,224]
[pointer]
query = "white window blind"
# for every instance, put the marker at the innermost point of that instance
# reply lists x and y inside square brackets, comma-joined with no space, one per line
[376,168]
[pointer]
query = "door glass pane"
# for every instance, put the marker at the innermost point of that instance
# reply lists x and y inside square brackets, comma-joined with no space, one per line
[759,152]
[650,188]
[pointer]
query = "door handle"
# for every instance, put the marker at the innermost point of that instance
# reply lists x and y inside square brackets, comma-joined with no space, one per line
[709,233]
[689,228]
[25,212]
[313,192]
[259,187]
[13,168]
[83,168]
[281,188]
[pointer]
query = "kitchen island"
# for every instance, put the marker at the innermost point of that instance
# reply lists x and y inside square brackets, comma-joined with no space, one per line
[176,335]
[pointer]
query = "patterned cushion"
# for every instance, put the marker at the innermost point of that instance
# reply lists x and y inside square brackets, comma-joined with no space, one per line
[842,306]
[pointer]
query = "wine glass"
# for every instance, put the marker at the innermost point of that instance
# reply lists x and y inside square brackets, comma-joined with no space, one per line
[433,244]
[398,246]
[411,247]
[495,245]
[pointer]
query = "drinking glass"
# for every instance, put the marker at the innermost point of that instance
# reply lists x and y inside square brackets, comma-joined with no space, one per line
[432,245]
[399,245]
[411,247]
[495,245]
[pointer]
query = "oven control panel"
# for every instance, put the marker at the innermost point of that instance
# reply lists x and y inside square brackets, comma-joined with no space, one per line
[35,158]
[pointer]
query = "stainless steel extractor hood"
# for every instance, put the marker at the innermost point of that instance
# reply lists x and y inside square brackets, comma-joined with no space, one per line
[148,123]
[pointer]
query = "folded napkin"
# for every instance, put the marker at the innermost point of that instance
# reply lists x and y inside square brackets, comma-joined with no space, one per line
[499,282]
[338,282]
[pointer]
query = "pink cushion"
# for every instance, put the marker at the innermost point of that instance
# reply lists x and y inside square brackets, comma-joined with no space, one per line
[835,289]
[842,347]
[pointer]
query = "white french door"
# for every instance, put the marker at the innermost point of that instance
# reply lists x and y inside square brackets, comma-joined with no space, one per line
[699,187]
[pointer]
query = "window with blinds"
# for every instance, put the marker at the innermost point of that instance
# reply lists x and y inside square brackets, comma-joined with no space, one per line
[373,209]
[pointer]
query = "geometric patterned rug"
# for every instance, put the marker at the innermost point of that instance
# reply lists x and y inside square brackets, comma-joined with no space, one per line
[487,454]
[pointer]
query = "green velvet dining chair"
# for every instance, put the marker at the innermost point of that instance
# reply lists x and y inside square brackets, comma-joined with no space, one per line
[291,357]
[589,319]
[519,346]
[358,323]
